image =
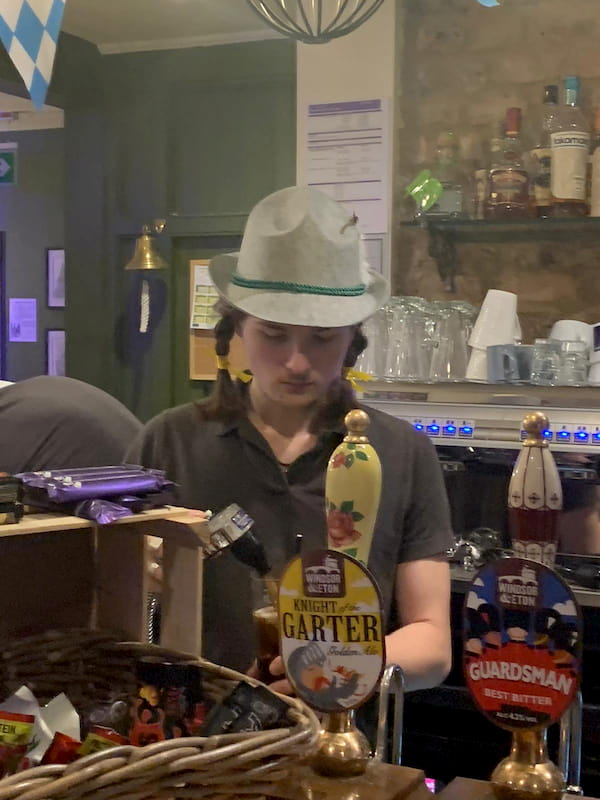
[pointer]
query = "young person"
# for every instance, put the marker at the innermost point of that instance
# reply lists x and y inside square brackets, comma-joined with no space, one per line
[296,293]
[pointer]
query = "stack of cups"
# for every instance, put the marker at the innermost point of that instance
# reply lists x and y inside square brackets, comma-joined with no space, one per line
[497,323]
[570,331]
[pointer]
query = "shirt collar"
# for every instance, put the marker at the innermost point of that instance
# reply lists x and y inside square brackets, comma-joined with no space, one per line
[227,427]
[240,423]
[331,428]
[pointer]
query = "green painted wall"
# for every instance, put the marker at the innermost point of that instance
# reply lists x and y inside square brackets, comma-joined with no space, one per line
[32,218]
[194,136]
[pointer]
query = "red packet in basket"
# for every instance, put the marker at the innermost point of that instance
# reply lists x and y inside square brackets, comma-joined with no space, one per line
[63,750]
[99,739]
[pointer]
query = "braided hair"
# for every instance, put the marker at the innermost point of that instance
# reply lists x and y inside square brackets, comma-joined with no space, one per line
[228,400]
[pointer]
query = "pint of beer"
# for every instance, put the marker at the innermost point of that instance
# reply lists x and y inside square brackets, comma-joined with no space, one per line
[266,624]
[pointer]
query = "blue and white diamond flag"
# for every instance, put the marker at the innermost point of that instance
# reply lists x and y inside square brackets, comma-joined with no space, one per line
[29,30]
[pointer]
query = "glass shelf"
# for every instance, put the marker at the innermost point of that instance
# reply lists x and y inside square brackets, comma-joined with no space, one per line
[488,230]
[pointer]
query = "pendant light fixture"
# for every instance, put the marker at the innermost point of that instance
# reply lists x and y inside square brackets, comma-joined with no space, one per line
[315,21]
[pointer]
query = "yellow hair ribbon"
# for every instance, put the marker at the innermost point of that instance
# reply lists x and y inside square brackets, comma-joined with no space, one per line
[224,363]
[353,376]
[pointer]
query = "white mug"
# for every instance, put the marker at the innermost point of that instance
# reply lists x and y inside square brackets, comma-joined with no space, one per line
[572,330]
[594,374]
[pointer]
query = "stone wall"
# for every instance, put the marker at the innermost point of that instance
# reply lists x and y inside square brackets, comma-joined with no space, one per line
[463,66]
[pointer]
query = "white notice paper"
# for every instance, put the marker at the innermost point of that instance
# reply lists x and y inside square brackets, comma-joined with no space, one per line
[204,296]
[347,158]
[22,319]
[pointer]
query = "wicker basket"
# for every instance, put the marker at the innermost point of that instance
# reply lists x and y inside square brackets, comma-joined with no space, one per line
[95,665]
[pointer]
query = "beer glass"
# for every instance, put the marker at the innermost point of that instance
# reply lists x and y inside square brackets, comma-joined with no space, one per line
[266,624]
[546,362]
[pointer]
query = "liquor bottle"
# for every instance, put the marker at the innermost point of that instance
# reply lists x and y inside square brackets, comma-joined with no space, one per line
[535,495]
[448,170]
[481,174]
[570,143]
[595,168]
[541,155]
[480,177]
[508,180]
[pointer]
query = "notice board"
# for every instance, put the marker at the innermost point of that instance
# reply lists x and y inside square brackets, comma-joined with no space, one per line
[203,366]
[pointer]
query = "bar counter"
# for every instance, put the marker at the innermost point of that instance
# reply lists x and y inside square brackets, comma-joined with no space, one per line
[469,789]
[380,782]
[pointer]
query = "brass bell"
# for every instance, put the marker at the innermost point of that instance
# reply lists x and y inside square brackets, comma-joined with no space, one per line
[145,255]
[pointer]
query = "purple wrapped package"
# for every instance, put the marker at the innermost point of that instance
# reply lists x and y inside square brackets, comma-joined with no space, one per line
[79,473]
[63,492]
[40,482]
[137,503]
[101,511]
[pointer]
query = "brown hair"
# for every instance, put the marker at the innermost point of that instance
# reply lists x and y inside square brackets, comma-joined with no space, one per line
[228,400]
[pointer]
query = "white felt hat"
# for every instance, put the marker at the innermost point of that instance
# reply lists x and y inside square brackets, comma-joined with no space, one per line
[300,263]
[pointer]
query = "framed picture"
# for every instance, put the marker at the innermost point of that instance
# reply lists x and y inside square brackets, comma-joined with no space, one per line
[55,277]
[55,351]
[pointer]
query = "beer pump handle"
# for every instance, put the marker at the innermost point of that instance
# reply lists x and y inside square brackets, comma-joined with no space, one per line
[250,551]
[232,527]
[535,495]
[353,490]
[569,748]
[392,681]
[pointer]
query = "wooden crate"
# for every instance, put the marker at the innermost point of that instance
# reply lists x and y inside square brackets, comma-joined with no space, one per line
[61,572]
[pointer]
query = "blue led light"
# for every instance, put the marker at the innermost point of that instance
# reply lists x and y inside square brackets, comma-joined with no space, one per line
[564,434]
[466,429]
[433,429]
[596,437]
[419,426]
[547,434]
[450,429]
[582,436]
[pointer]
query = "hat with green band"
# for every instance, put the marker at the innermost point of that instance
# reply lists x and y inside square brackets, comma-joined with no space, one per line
[300,263]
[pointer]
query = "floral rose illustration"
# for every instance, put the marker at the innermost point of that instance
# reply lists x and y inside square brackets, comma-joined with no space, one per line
[340,527]
[338,460]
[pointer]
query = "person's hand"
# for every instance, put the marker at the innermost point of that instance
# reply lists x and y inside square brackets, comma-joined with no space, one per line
[281,685]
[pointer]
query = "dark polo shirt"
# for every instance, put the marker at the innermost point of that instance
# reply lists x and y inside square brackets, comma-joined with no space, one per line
[216,464]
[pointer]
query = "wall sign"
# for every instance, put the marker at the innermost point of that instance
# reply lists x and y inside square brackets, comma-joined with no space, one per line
[22,319]
[332,636]
[8,166]
[522,643]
